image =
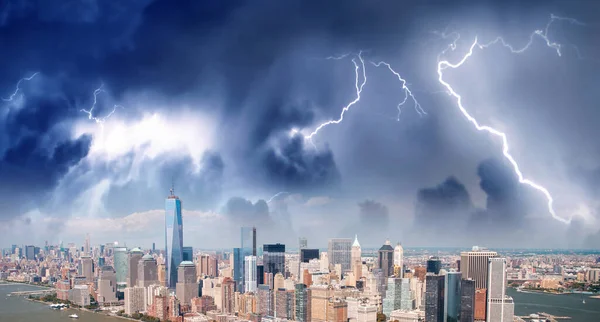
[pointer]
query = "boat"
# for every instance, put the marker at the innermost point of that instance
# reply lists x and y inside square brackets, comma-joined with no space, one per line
[74,316]
[584,301]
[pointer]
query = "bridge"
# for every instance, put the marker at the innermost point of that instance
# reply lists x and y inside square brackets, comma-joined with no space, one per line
[36,292]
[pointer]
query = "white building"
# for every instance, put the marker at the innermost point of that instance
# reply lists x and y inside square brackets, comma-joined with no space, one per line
[500,307]
[407,316]
[250,274]
[134,299]
[80,295]
[399,258]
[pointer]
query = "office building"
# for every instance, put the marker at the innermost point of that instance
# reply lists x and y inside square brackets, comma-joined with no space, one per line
[339,252]
[134,257]
[238,269]
[452,296]
[250,274]
[434,265]
[187,286]
[173,238]
[147,271]
[264,300]
[337,310]
[274,258]
[406,297]
[121,263]
[399,259]
[208,265]
[500,307]
[107,285]
[80,295]
[188,253]
[392,298]
[434,298]
[306,254]
[386,259]
[228,296]
[474,265]
[134,300]
[356,259]
[248,241]
[303,301]
[87,268]
[467,300]
[30,253]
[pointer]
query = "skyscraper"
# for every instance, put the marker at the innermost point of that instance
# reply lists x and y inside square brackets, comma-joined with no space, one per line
[452,297]
[302,295]
[339,252]
[173,238]
[399,258]
[134,257]
[86,247]
[107,285]
[187,287]
[500,308]
[467,300]
[306,254]
[434,298]
[147,271]
[392,298]
[87,266]
[434,265]
[386,259]
[474,264]
[247,248]
[274,258]
[302,243]
[238,269]
[250,274]
[356,258]
[121,266]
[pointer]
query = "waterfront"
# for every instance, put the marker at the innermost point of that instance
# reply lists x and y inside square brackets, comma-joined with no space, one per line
[561,305]
[19,309]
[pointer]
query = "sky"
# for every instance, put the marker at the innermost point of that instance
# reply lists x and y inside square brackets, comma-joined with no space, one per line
[314,119]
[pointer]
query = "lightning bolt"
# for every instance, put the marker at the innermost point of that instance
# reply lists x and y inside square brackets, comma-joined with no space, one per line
[277,195]
[444,64]
[358,87]
[90,112]
[18,87]
[407,91]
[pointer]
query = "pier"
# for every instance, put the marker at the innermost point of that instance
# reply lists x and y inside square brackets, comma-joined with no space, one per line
[37,292]
[544,316]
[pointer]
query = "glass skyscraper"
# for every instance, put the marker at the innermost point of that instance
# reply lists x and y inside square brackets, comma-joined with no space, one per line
[173,238]
[121,264]
[452,296]
[248,248]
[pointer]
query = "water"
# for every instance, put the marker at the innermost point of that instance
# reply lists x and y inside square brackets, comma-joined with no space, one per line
[559,305]
[19,309]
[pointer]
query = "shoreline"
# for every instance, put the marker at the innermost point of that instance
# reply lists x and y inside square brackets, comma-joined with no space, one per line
[101,312]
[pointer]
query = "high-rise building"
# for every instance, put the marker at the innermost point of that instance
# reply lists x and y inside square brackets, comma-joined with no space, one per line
[173,238]
[264,301]
[302,295]
[339,252]
[386,259]
[107,285]
[30,252]
[250,274]
[188,253]
[434,265]
[86,247]
[452,297]
[87,268]
[302,243]
[228,296]
[247,248]
[274,258]
[500,307]
[134,299]
[121,266]
[147,271]
[337,310]
[392,298]
[406,297]
[208,265]
[238,269]
[134,257]
[474,265]
[306,254]
[356,258]
[434,298]
[260,274]
[187,286]
[467,300]
[399,258]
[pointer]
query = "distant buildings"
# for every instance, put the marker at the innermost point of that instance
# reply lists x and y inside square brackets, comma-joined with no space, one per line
[134,299]
[274,258]
[147,271]
[134,257]
[434,265]
[187,287]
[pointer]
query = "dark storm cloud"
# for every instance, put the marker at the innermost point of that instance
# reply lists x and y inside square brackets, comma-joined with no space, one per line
[447,205]
[198,189]
[245,212]
[373,213]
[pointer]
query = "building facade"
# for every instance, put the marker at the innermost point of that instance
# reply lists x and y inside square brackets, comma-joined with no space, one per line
[452,297]
[467,300]
[500,307]
[187,287]
[434,298]
[134,257]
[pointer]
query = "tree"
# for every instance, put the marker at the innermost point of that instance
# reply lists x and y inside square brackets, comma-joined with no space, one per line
[381,317]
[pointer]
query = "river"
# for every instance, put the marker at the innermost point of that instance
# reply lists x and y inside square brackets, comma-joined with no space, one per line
[561,305]
[19,309]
